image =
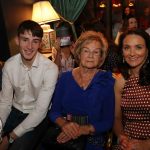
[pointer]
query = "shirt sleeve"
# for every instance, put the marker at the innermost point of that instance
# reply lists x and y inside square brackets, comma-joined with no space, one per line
[44,97]
[6,95]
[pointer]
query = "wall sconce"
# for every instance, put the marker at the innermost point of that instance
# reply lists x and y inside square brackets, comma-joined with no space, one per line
[131,3]
[43,12]
[116,3]
[102,4]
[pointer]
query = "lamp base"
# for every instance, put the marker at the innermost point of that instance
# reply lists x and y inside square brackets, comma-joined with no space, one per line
[49,38]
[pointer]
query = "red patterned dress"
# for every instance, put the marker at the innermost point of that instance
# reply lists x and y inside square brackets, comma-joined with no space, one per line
[135,105]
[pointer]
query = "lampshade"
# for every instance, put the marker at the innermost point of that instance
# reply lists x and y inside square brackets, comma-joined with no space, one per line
[43,12]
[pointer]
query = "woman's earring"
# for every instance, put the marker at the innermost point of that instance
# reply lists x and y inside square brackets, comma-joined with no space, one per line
[123,60]
[147,61]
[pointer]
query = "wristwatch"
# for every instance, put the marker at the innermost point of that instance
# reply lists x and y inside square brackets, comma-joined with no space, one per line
[10,139]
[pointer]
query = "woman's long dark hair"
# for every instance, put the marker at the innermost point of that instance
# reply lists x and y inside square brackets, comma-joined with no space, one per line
[125,24]
[144,74]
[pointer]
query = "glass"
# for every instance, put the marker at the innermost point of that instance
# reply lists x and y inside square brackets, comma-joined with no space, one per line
[95,52]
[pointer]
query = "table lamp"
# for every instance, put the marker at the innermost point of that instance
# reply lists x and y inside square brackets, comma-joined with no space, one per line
[43,12]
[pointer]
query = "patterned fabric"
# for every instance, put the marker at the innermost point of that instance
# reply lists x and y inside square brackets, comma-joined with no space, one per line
[67,64]
[136,109]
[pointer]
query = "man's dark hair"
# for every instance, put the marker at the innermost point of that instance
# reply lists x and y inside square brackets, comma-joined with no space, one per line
[29,25]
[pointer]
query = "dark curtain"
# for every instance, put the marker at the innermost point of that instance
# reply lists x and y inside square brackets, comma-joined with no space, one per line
[69,10]
[4,47]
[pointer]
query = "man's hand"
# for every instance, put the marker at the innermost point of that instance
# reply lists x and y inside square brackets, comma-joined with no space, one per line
[13,135]
[4,145]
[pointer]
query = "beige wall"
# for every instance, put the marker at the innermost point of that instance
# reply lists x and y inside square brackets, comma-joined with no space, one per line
[14,12]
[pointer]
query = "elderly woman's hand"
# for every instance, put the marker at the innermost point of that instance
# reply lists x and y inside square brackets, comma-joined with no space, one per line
[71,129]
[86,130]
[63,138]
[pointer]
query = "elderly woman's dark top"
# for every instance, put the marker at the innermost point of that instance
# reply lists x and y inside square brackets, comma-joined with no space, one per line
[96,101]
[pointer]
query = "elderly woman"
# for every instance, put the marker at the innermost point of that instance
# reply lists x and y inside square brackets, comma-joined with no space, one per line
[85,91]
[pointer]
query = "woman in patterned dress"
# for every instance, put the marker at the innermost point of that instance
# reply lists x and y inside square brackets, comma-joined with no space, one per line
[132,92]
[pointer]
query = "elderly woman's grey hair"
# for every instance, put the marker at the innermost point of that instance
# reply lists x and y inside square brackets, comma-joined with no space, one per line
[87,37]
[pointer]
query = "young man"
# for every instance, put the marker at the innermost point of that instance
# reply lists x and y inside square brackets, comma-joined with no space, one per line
[27,86]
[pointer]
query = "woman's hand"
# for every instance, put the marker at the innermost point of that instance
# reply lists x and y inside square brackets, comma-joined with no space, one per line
[123,141]
[71,130]
[63,138]
[86,130]
[133,144]
[139,145]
